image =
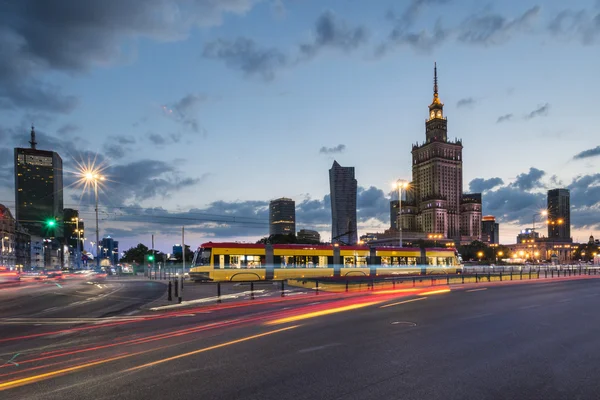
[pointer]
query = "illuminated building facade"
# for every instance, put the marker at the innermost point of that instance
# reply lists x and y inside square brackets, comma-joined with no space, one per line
[39,190]
[282,217]
[490,230]
[439,206]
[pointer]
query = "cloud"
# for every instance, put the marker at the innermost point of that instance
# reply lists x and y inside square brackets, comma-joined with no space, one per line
[529,180]
[538,112]
[492,29]
[331,32]
[512,205]
[67,129]
[466,102]
[278,9]
[185,111]
[333,150]
[38,37]
[413,10]
[116,147]
[480,185]
[504,118]
[156,139]
[421,41]
[583,25]
[245,55]
[585,191]
[587,153]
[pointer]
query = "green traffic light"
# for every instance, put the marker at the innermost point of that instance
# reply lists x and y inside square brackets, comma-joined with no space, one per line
[51,223]
[150,258]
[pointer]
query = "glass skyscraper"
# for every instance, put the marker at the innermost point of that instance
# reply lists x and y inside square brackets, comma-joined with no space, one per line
[343,191]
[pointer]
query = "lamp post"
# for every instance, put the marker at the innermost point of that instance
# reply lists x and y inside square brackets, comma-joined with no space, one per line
[93,177]
[78,251]
[542,213]
[499,254]
[400,184]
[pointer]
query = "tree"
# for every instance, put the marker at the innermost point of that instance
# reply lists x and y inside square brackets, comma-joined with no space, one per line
[136,254]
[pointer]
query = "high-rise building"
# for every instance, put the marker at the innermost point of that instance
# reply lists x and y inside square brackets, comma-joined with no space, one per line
[559,214]
[109,250]
[73,228]
[282,217]
[343,191]
[39,190]
[437,181]
[490,230]
[470,217]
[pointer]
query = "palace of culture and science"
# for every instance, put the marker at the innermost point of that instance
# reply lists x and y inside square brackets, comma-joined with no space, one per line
[435,203]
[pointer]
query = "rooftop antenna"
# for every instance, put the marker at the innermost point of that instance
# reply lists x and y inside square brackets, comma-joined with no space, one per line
[32,142]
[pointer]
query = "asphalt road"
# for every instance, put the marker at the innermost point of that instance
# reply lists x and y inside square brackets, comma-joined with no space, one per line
[509,341]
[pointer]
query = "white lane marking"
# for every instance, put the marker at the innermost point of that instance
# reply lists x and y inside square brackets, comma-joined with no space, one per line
[50,309]
[404,323]
[531,306]
[477,316]
[403,302]
[205,300]
[317,348]
[314,304]
[476,290]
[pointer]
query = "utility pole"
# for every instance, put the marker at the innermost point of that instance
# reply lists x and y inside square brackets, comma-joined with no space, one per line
[153,257]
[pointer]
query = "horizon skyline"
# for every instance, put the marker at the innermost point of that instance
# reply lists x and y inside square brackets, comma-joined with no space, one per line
[212,109]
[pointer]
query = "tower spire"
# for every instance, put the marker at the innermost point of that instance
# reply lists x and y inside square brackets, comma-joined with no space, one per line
[32,142]
[435,83]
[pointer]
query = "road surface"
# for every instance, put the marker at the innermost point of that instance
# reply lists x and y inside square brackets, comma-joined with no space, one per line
[520,341]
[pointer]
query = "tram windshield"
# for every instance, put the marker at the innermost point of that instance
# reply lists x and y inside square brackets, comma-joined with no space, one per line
[201,257]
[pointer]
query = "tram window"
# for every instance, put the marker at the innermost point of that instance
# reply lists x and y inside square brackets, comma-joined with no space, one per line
[385,261]
[431,260]
[253,261]
[322,262]
[235,261]
[411,260]
[222,261]
[348,261]
[361,261]
[287,262]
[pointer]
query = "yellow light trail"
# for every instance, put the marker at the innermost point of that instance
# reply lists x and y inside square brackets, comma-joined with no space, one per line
[434,292]
[403,302]
[320,313]
[191,353]
[392,291]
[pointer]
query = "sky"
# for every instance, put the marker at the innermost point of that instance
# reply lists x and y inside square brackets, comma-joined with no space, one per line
[201,111]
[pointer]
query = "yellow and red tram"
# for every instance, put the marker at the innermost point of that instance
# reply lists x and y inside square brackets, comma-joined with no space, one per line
[245,262]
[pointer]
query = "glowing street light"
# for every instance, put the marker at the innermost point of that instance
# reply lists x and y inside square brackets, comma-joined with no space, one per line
[400,184]
[542,213]
[92,176]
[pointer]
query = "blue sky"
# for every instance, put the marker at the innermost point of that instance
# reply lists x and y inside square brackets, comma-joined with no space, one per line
[204,110]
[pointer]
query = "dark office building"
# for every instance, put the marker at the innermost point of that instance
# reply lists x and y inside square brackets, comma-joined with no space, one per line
[343,191]
[39,190]
[282,217]
[109,250]
[559,214]
[490,230]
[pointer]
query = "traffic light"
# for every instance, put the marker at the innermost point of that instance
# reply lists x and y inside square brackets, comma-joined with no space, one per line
[150,257]
[51,223]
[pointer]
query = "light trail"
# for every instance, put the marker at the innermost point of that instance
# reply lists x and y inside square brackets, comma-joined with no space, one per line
[440,291]
[321,313]
[245,339]
[403,302]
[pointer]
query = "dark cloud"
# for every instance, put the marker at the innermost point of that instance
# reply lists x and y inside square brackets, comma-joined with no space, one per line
[413,10]
[244,54]
[513,205]
[480,185]
[538,112]
[333,150]
[421,41]
[587,153]
[114,151]
[583,25]
[331,32]
[466,102]
[156,139]
[585,191]
[67,129]
[491,29]
[185,111]
[126,140]
[529,180]
[504,118]
[72,36]
[372,203]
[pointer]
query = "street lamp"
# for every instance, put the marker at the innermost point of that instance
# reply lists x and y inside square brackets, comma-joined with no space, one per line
[499,254]
[92,177]
[480,255]
[542,213]
[78,231]
[400,184]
